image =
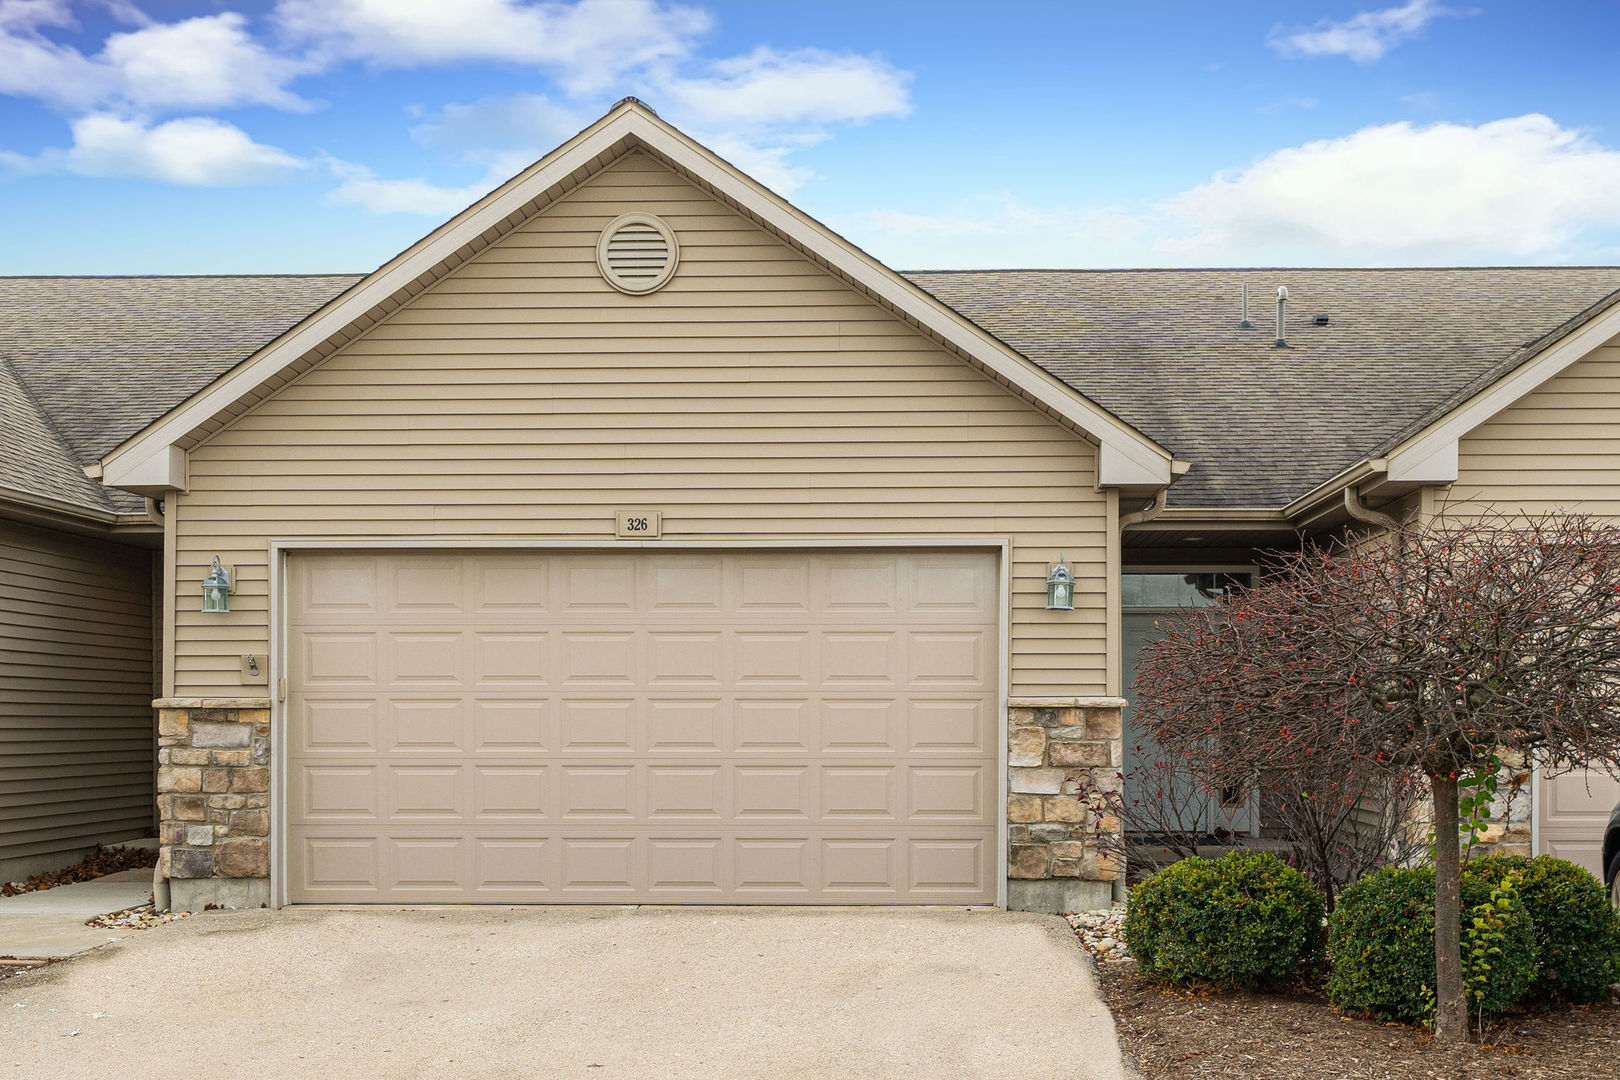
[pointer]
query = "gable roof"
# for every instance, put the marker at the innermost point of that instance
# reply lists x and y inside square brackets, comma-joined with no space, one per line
[153,460]
[1261,426]
[98,358]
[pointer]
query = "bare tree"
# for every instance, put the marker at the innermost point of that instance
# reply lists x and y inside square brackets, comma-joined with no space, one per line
[1429,650]
[1343,824]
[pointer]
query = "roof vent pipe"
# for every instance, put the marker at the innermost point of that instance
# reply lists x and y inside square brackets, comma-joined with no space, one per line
[1245,324]
[1282,317]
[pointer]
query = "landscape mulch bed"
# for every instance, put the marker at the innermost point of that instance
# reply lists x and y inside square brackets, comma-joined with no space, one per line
[100,863]
[1173,1034]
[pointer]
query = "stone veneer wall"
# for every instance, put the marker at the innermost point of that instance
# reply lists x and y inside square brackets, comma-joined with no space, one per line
[213,785]
[1061,753]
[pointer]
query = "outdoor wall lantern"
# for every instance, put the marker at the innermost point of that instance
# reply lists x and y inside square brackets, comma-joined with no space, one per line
[217,589]
[1060,588]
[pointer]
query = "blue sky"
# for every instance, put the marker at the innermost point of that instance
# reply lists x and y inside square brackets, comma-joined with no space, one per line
[165,136]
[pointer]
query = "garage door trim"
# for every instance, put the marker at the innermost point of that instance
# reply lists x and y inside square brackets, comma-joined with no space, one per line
[279,550]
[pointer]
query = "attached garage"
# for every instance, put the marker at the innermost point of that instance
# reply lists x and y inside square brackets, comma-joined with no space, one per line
[712,572]
[617,727]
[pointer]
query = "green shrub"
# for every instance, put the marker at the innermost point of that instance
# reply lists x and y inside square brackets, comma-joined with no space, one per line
[1577,931]
[1381,944]
[1245,921]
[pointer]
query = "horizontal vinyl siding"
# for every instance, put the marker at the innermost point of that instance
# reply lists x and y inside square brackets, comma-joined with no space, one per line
[755,397]
[75,692]
[1557,448]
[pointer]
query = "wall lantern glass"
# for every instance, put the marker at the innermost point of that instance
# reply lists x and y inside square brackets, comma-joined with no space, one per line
[1060,588]
[216,588]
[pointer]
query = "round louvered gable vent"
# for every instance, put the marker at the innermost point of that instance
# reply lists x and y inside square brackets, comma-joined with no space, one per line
[637,253]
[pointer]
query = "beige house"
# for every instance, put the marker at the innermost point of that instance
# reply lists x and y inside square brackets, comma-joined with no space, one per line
[634,538]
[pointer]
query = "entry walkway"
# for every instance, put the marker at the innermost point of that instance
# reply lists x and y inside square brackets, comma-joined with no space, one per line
[50,922]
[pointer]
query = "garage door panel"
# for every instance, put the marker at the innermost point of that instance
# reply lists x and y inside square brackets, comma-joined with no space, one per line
[686,726]
[515,725]
[522,792]
[424,586]
[864,659]
[427,865]
[424,661]
[337,792]
[511,661]
[861,725]
[947,725]
[604,585]
[338,660]
[670,727]
[949,660]
[342,724]
[430,725]
[426,793]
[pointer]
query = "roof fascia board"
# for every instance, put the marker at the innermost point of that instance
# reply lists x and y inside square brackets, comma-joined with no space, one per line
[164,470]
[1128,458]
[1425,456]
[44,509]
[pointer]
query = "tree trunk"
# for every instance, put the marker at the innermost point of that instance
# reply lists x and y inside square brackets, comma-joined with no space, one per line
[1451,1005]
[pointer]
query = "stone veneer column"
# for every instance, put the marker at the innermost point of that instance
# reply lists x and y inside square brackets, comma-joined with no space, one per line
[1059,752]
[213,786]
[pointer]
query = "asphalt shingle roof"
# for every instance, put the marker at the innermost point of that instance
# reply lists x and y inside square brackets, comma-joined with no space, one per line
[105,356]
[1162,350]
[89,361]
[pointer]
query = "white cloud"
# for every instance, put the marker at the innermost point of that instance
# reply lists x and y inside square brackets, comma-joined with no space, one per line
[207,62]
[1522,189]
[362,187]
[588,44]
[1364,37]
[769,87]
[1519,188]
[1003,231]
[196,150]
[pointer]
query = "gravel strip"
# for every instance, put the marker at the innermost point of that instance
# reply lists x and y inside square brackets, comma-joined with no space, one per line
[1101,932]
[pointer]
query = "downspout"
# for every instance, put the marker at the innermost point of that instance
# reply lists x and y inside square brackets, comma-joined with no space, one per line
[1357,510]
[1147,513]
[154,511]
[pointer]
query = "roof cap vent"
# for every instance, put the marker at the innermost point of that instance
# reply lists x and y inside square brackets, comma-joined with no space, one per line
[1320,320]
[633,101]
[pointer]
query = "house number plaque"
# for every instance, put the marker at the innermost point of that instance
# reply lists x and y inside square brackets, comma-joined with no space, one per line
[639,525]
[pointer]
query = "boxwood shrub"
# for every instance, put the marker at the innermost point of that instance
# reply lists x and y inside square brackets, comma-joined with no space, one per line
[1381,946]
[1577,930]
[1246,921]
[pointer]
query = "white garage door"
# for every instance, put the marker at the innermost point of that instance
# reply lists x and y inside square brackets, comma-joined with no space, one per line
[664,728]
[1574,812]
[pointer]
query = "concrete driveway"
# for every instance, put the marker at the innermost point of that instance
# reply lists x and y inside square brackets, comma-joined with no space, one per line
[560,992]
